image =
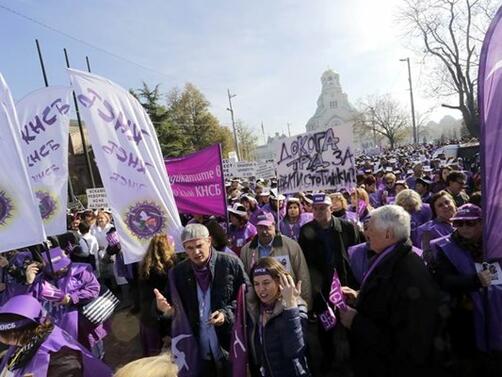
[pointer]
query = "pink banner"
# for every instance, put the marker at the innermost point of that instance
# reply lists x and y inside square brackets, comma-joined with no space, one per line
[197,182]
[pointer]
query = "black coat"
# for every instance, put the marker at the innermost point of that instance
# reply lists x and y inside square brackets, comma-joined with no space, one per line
[321,261]
[228,275]
[393,332]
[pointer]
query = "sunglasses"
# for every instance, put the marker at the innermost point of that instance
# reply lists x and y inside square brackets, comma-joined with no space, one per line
[461,223]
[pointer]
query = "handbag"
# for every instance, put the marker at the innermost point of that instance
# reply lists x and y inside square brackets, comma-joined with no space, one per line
[102,307]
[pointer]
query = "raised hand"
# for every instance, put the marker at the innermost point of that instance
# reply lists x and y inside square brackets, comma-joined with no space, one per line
[31,272]
[289,291]
[162,304]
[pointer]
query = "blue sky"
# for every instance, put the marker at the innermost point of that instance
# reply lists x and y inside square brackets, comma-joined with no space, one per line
[270,53]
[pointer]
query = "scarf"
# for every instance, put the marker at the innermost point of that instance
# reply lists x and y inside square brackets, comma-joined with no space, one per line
[203,274]
[475,248]
[339,213]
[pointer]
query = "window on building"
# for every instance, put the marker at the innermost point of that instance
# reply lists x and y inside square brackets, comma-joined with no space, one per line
[333,104]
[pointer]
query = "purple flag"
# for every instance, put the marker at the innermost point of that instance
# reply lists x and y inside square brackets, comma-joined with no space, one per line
[239,347]
[490,100]
[184,346]
[335,294]
[197,182]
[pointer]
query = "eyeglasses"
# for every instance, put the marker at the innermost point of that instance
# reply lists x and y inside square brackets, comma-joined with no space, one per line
[461,223]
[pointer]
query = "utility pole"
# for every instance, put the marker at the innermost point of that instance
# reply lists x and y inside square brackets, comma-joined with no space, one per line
[407,60]
[289,130]
[263,132]
[236,145]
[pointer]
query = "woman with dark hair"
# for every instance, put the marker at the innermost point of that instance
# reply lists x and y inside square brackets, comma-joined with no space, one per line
[440,180]
[294,219]
[443,209]
[278,321]
[240,231]
[251,205]
[37,347]
[153,269]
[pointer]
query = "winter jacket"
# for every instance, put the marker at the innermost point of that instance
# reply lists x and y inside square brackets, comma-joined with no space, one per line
[323,257]
[227,275]
[280,348]
[392,334]
[282,246]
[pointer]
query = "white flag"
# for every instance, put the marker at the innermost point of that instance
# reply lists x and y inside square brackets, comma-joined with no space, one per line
[130,163]
[20,220]
[44,118]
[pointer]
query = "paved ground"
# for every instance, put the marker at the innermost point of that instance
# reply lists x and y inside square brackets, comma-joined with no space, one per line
[122,345]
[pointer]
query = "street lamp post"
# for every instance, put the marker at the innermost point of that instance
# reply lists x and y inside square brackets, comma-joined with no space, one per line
[236,145]
[415,136]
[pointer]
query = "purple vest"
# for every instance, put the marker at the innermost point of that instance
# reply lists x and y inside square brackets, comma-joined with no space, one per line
[359,263]
[293,230]
[240,236]
[487,301]
[432,229]
[421,216]
[58,339]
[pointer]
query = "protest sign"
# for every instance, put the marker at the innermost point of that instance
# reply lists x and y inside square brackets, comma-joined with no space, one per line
[130,163]
[20,220]
[489,97]
[228,168]
[197,182]
[44,120]
[265,170]
[239,169]
[316,161]
[96,198]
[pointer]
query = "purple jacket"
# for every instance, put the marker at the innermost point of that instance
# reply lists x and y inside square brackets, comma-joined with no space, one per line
[82,286]
[39,364]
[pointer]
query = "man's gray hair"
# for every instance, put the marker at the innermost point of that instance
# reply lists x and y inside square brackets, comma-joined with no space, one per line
[392,217]
[193,232]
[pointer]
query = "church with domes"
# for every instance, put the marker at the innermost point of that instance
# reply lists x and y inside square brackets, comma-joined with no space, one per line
[333,107]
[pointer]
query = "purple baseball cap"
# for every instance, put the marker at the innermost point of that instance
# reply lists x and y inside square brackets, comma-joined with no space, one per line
[467,212]
[22,305]
[59,260]
[265,219]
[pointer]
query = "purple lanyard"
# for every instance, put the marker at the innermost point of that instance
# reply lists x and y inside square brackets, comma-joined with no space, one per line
[377,261]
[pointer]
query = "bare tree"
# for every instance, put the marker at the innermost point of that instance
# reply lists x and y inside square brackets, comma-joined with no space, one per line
[451,33]
[382,116]
[247,141]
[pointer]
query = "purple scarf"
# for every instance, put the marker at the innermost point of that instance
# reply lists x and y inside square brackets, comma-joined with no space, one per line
[203,274]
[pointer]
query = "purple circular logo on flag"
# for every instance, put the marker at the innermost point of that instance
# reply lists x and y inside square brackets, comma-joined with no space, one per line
[6,208]
[145,219]
[46,204]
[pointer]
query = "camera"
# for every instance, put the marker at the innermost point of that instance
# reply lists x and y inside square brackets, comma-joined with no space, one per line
[18,270]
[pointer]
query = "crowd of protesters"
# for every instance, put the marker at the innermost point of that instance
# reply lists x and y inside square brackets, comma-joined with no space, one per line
[405,242]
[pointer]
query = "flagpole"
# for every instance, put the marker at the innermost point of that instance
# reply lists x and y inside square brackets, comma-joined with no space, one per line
[223,185]
[46,82]
[84,144]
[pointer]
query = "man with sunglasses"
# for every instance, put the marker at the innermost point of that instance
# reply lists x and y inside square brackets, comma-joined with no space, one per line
[455,183]
[463,273]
